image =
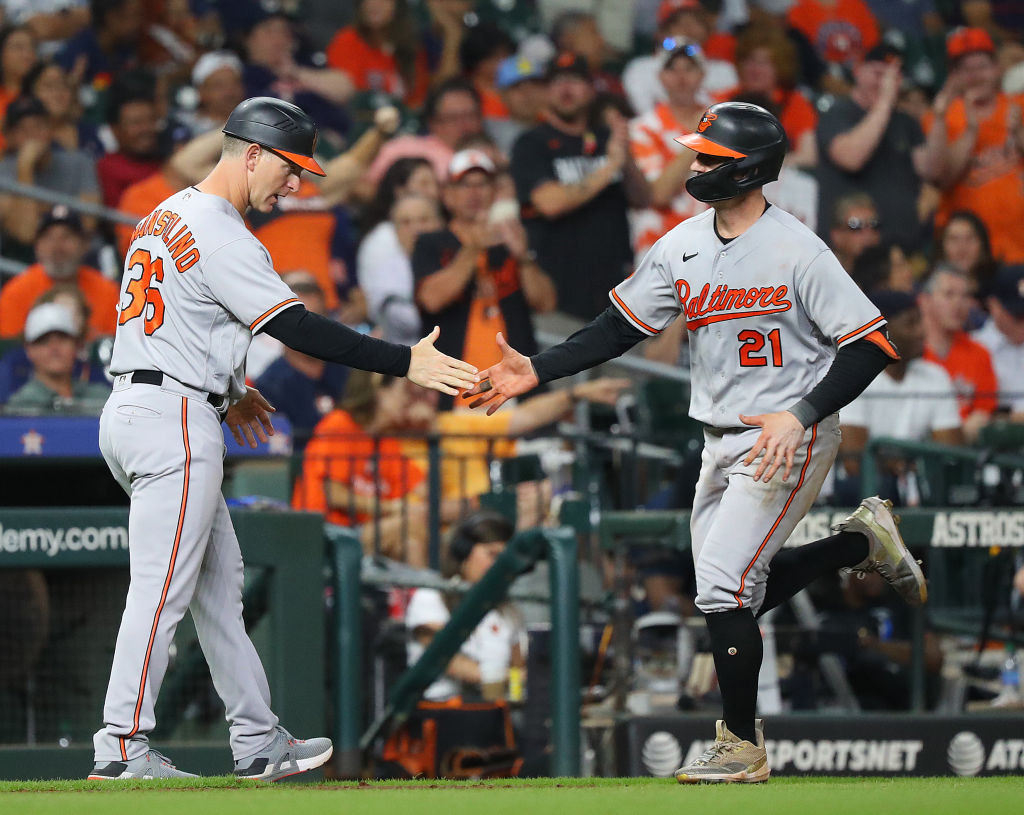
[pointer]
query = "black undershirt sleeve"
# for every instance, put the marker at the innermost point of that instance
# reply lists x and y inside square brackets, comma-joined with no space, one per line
[852,370]
[331,341]
[604,338]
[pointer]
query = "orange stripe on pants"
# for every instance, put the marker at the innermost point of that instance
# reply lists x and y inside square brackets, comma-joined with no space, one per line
[785,509]
[167,579]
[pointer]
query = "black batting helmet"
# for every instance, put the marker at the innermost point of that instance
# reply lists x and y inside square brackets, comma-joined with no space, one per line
[752,140]
[279,126]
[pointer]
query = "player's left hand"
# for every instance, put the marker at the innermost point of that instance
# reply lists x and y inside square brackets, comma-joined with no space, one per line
[781,436]
[250,415]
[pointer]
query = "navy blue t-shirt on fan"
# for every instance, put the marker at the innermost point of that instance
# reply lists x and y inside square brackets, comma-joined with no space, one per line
[586,251]
[433,252]
[888,176]
[301,400]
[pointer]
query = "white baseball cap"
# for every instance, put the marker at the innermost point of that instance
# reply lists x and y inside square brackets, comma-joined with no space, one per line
[212,62]
[471,159]
[46,318]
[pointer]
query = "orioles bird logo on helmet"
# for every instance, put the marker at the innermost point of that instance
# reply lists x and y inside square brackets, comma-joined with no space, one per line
[706,121]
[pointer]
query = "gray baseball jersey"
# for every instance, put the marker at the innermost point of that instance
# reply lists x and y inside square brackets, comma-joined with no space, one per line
[197,285]
[765,312]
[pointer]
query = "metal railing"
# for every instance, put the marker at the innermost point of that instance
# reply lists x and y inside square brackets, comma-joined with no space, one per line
[71,202]
[412,508]
[558,546]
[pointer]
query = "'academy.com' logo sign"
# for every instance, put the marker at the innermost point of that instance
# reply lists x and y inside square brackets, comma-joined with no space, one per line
[54,541]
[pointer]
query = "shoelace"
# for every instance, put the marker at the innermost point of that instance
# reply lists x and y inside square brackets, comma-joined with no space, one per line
[162,758]
[881,568]
[716,750]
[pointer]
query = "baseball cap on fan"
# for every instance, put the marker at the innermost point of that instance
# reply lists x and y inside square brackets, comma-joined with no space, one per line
[47,318]
[62,215]
[964,41]
[568,63]
[670,8]
[884,51]
[209,63]
[21,108]
[513,70]
[466,160]
[1008,289]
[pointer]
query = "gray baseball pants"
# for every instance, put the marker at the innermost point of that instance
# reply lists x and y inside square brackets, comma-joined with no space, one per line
[165,447]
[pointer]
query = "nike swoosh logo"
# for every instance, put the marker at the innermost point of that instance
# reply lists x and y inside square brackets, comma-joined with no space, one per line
[687,257]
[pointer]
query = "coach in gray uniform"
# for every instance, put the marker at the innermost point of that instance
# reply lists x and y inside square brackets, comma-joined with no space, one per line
[780,339]
[197,285]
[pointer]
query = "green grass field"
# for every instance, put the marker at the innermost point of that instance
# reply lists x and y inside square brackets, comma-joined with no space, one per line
[621,796]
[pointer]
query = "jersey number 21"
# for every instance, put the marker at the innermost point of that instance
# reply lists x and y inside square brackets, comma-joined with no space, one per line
[751,344]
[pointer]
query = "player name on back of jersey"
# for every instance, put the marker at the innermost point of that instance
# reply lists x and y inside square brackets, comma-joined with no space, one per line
[164,224]
[731,304]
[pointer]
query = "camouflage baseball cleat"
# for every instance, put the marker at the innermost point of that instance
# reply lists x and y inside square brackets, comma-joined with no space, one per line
[729,760]
[887,553]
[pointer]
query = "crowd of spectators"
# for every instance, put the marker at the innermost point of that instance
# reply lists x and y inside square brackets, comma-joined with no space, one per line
[490,161]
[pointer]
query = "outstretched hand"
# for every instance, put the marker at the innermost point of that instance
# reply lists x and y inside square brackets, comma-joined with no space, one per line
[250,415]
[429,368]
[781,436]
[513,376]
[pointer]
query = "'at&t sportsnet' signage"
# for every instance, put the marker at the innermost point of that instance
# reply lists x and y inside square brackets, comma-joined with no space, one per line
[892,745]
[940,528]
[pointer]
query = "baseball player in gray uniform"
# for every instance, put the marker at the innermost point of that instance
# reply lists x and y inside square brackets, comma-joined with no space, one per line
[197,285]
[780,339]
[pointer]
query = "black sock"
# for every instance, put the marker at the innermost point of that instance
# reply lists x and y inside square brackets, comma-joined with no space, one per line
[795,569]
[737,649]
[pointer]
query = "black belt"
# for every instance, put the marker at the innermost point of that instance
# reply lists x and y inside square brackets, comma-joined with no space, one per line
[157,378]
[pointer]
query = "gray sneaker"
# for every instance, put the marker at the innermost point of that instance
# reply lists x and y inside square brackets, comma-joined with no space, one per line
[150,764]
[284,756]
[887,553]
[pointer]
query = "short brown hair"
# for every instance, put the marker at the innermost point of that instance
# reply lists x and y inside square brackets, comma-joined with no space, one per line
[780,48]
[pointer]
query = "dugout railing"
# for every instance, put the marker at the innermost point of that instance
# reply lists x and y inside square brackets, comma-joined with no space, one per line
[292,549]
[284,556]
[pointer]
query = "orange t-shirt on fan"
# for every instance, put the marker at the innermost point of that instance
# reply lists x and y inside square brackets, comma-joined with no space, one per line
[969,365]
[372,69]
[341,451]
[993,185]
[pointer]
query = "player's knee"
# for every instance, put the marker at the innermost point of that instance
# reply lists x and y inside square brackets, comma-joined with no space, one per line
[713,596]
[718,588]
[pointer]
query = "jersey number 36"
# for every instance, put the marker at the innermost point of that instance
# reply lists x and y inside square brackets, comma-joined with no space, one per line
[143,291]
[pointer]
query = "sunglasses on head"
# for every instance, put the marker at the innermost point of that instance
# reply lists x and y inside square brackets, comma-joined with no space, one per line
[686,48]
[857,224]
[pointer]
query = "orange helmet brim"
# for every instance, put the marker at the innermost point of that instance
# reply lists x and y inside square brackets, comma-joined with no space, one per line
[305,162]
[697,142]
